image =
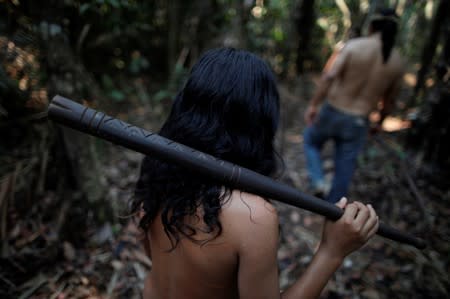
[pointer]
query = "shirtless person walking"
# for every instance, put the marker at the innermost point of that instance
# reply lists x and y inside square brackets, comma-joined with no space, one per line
[206,240]
[366,71]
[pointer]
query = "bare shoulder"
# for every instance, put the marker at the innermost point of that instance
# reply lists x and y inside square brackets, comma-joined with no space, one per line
[243,203]
[249,211]
[250,222]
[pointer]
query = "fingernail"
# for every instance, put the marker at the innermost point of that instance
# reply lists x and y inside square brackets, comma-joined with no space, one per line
[369,205]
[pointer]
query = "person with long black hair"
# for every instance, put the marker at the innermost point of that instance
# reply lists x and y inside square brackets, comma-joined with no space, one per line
[206,240]
[366,72]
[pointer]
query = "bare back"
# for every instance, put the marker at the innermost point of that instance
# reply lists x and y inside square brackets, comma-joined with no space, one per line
[210,270]
[361,79]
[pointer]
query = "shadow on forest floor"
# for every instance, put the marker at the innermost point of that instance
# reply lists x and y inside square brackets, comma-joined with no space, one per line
[113,265]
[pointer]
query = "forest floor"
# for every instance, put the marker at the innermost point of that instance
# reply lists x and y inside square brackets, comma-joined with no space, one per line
[112,263]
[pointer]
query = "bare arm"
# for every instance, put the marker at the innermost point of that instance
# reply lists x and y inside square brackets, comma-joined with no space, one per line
[258,273]
[354,229]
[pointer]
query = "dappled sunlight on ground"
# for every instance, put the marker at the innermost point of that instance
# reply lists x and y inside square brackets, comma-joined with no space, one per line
[410,79]
[391,124]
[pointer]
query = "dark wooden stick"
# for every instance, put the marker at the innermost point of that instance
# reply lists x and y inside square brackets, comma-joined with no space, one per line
[98,124]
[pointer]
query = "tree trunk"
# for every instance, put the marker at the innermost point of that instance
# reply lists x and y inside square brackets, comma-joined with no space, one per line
[438,143]
[431,131]
[60,160]
[304,23]
[74,155]
[346,16]
[173,22]
[236,37]
[204,29]
[442,12]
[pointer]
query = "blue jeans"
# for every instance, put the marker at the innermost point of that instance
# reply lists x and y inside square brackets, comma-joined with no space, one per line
[349,133]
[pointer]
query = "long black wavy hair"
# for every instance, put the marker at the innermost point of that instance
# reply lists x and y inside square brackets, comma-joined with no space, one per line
[385,22]
[229,108]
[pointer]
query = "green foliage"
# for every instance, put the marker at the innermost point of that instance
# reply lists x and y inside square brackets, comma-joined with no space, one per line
[176,80]
[104,6]
[122,35]
[269,28]
[163,94]
[413,30]
[111,90]
[133,35]
[130,39]
[138,64]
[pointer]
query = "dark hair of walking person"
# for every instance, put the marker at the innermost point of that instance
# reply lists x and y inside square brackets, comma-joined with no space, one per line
[385,22]
[228,108]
